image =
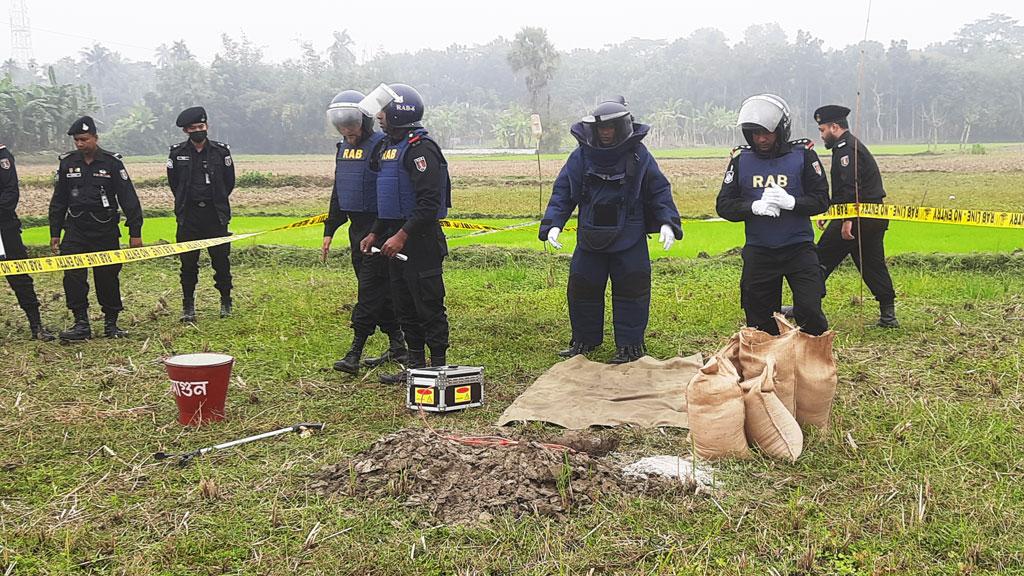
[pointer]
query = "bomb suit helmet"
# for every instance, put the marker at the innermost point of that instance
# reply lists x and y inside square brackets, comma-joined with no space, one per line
[610,113]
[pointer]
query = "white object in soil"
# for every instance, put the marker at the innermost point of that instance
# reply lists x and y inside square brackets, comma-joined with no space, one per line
[670,467]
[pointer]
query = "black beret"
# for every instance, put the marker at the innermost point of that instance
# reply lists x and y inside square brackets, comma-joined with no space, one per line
[84,125]
[830,113]
[193,115]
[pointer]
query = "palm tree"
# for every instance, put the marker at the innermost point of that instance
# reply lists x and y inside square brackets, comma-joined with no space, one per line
[534,53]
[339,53]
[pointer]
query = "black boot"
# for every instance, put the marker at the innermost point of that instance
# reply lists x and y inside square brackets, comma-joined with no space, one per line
[438,360]
[80,330]
[887,315]
[350,363]
[576,348]
[188,309]
[396,351]
[225,305]
[110,327]
[624,354]
[35,324]
[417,359]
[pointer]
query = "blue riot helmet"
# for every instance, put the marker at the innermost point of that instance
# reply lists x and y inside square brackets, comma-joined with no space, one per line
[406,110]
[344,112]
[766,111]
[610,113]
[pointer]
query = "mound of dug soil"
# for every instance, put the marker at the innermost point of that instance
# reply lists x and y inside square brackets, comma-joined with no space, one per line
[465,480]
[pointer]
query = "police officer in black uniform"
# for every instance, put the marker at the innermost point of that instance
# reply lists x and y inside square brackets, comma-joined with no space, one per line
[855,178]
[90,185]
[774,186]
[201,174]
[354,199]
[413,194]
[622,196]
[12,248]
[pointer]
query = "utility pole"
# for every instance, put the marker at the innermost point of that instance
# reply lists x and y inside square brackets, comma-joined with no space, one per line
[21,34]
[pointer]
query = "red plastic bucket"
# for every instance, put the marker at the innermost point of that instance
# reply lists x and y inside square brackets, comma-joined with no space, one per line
[199,383]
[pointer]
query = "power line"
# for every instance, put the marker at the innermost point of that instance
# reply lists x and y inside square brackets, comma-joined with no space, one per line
[149,49]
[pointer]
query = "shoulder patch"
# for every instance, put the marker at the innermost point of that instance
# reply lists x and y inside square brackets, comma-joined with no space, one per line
[805,142]
[736,151]
[841,144]
[5,163]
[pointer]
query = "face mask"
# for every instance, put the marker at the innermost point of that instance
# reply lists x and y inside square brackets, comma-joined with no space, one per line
[197,136]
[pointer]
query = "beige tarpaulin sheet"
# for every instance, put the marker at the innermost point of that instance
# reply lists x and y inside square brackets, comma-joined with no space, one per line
[578,393]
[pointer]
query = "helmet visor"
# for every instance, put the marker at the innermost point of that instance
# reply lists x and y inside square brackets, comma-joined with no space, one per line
[344,115]
[609,133]
[762,111]
[376,100]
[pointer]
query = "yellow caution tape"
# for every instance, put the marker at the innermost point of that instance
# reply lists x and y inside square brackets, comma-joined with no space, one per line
[125,255]
[460,225]
[986,218]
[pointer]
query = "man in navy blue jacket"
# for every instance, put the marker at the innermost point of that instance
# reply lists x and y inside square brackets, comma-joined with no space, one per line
[774,186]
[622,196]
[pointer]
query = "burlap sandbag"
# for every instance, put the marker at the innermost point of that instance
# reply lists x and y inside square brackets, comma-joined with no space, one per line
[716,412]
[731,352]
[769,425]
[814,371]
[755,348]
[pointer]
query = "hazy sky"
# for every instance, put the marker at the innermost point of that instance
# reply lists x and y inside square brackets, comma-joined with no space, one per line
[136,28]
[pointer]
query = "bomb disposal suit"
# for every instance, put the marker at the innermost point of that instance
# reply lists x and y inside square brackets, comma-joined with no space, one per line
[622,196]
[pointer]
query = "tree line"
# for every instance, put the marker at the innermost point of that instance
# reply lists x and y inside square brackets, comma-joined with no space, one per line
[967,89]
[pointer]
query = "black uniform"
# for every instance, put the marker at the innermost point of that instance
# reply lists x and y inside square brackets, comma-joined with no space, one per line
[373,306]
[417,285]
[781,247]
[855,176]
[85,203]
[202,182]
[10,235]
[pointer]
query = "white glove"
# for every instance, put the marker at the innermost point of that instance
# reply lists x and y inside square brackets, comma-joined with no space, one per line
[764,208]
[778,196]
[553,237]
[667,237]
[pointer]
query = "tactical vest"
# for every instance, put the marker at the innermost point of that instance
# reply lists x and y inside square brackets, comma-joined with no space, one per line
[396,197]
[611,217]
[354,183]
[755,173]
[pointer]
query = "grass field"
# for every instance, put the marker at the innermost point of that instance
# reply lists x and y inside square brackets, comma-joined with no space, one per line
[710,238]
[922,471]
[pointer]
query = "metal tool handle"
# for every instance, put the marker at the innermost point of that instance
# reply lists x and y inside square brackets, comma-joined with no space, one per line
[400,256]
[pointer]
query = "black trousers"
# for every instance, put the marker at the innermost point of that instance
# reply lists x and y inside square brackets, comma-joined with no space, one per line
[200,223]
[22,285]
[832,250]
[417,289]
[630,273]
[88,234]
[373,304]
[761,286]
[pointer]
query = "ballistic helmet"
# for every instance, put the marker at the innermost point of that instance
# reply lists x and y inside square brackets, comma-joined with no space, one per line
[766,111]
[612,113]
[344,111]
[406,111]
